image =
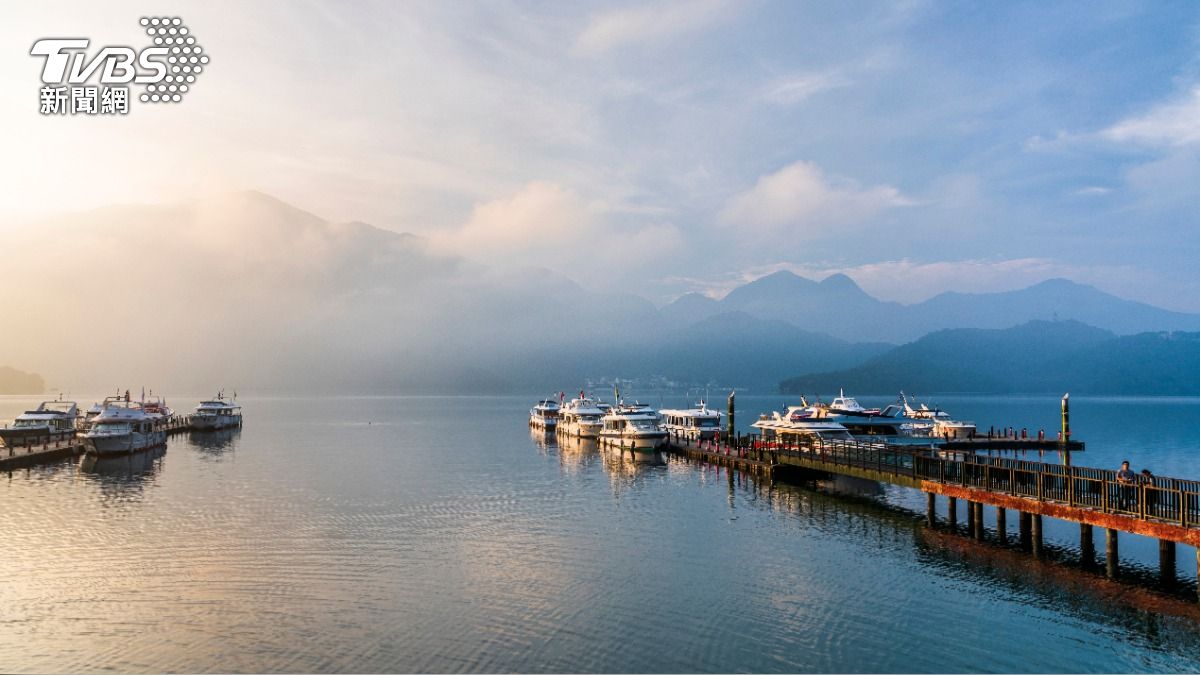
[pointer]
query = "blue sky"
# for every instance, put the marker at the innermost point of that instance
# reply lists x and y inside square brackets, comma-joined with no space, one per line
[665,147]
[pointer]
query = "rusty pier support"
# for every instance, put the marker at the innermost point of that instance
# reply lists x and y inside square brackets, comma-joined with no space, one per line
[1087,545]
[931,508]
[1035,532]
[1024,525]
[978,524]
[971,518]
[1111,559]
[1166,561]
[952,512]
[1002,524]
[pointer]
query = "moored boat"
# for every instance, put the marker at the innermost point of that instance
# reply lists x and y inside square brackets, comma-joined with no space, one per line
[939,423]
[633,427]
[580,418]
[692,424]
[217,414]
[801,422]
[544,415]
[123,427]
[52,421]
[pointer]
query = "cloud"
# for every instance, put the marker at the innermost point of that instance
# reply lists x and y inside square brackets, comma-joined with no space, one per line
[548,225]
[797,88]
[1173,123]
[1092,191]
[652,23]
[801,194]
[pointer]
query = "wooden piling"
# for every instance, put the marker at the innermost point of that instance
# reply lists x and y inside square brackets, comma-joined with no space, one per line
[1087,545]
[1166,561]
[1111,559]
[1035,532]
[931,508]
[971,518]
[1024,525]
[952,512]
[978,527]
[1002,524]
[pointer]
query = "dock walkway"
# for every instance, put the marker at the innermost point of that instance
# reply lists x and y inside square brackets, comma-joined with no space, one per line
[1167,509]
[20,456]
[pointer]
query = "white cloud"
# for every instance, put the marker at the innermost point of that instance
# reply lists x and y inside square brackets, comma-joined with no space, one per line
[1092,191]
[799,87]
[1173,123]
[801,194]
[548,225]
[656,22]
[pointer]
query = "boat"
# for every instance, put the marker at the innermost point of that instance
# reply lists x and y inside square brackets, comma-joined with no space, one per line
[580,418]
[544,415]
[217,414]
[849,406]
[52,421]
[123,427]
[942,424]
[156,408]
[89,416]
[633,427]
[802,422]
[692,424]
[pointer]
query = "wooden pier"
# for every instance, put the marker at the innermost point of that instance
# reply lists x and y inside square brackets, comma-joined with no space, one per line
[20,456]
[1167,509]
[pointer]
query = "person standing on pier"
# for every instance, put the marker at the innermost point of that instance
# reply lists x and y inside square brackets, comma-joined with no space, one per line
[1125,478]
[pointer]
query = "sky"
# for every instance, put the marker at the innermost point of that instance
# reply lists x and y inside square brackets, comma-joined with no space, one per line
[666,147]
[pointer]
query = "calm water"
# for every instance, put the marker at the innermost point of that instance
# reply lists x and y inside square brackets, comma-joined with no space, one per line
[436,534]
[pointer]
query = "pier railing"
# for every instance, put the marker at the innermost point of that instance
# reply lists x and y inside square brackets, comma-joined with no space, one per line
[1159,498]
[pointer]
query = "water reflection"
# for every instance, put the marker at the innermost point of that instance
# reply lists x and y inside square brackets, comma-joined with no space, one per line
[123,478]
[577,453]
[214,443]
[543,439]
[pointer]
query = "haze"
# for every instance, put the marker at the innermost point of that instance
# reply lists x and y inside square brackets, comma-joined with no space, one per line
[559,165]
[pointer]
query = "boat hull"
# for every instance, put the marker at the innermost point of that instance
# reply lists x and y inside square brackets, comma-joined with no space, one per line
[122,444]
[638,443]
[214,422]
[21,437]
[579,430]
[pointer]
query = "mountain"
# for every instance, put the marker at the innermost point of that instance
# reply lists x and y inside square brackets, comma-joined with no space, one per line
[839,307]
[13,381]
[1036,357]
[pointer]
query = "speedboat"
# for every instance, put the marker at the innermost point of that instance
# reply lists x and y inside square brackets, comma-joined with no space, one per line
[51,421]
[849,406]
[544,415]
[939,423]
[806,422]
[580,418]
[692,424]
[217,414]
[633,427]
[123,427]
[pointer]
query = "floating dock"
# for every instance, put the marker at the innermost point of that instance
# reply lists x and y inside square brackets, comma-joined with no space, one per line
[1167,509]
[30,455]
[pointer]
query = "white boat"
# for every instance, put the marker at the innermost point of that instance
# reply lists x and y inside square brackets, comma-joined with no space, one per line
[123,427]
[943,425]
[692,424]
[633,427]
[52,421]
[156,408]
[89,417]
[544,415]
[217,414]
[802,422]
[848,405]
[580,418]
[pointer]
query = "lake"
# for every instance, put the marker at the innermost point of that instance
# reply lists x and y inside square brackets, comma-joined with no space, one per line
[438,534]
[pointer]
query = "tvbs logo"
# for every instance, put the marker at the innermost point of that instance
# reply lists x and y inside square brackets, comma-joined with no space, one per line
[167,70]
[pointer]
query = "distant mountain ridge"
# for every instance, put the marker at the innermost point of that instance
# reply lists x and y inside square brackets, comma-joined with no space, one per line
[839,307]
[1035,357]
[15,382]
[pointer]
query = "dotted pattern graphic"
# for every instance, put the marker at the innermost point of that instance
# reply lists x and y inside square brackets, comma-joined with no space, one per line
[185,61]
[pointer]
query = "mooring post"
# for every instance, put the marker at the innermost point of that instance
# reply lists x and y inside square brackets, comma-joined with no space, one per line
[1035,532]
[931,508]
[1087,545]
[979,520]
[1023,526]
[732,428]
[1166,560]
[1002,524]
[952,512]
[1111,562]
